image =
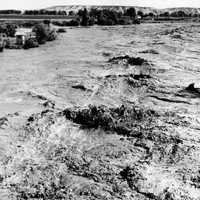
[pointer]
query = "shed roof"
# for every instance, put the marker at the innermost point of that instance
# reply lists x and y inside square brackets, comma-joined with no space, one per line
[20,34]
[23,31]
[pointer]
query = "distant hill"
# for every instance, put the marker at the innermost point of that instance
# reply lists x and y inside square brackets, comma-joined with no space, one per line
[186,10]
[75,9]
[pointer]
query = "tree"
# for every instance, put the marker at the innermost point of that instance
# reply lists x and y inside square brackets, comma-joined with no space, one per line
[131,12]
[80,13]
[41,33]
[10,12]
[108,17]
[85,18]
[2,29]
[94,13]
[174,14]
[195,15]
[165,14]
[30,43]
[11,30]
[62,12]
[91,21]
[47,22]
[181,14]
[71,13]
[151,14]
[140,13]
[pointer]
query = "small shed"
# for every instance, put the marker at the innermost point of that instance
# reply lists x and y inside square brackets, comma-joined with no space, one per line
[22,35]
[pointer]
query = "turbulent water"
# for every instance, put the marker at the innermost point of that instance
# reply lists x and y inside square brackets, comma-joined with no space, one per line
[81,55]
[93,66]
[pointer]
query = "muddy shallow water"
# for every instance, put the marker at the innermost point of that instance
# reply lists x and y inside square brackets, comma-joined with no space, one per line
[138,140]
[81,55]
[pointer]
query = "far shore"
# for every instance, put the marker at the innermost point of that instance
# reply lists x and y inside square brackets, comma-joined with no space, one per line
[14,17]
[34,17]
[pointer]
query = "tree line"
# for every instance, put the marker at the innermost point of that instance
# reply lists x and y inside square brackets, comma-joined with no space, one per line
[5,12]
[179,13]
[101,17]
[44,12]
[86,17]
[33,12]
[103,14]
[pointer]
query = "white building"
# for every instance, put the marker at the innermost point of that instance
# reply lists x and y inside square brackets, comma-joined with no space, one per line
[23,34]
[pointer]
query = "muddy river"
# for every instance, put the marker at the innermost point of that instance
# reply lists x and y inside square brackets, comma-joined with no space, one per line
[103,113]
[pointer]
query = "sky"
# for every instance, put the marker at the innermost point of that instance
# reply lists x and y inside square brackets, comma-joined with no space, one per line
[39,4]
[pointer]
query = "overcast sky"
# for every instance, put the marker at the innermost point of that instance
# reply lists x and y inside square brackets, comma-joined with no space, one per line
[31,4]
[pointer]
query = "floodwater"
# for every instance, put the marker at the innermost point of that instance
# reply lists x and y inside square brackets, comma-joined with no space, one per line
[81,55]
[78,70]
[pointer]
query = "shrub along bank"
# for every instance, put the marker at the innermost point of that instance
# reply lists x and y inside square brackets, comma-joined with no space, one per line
[43,32]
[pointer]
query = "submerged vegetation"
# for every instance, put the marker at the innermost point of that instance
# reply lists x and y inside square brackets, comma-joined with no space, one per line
[61,30]
[120,120]
[129,60]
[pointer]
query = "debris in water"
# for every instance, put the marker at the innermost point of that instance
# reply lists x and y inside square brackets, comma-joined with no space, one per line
[191,88]
[150,51]
[81,87]
[129,60]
